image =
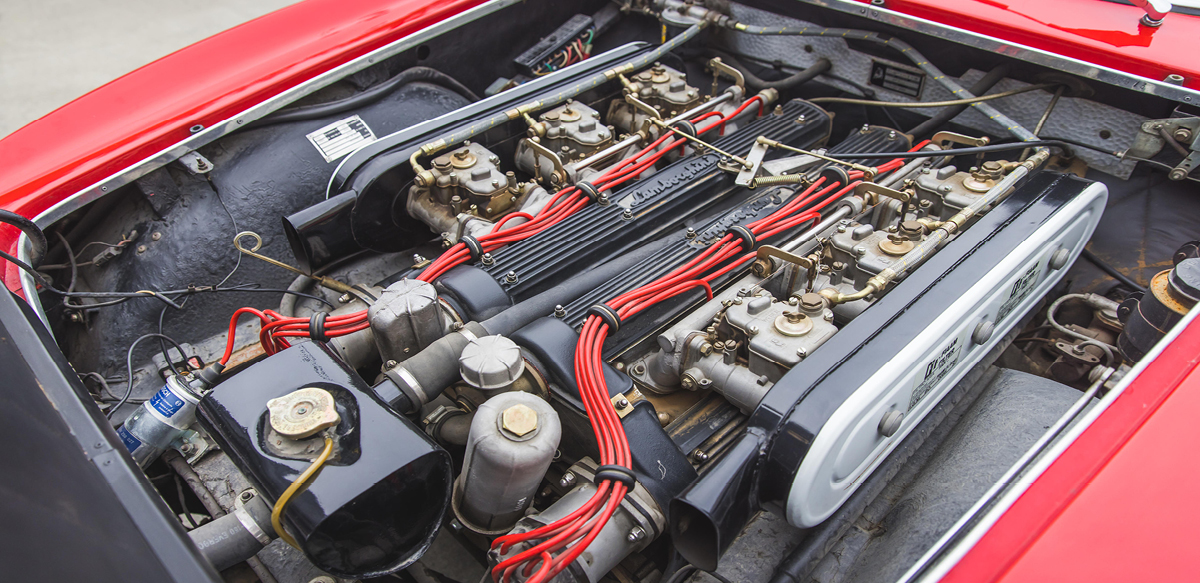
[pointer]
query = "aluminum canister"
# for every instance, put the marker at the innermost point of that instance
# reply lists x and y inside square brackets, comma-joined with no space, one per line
[159,421]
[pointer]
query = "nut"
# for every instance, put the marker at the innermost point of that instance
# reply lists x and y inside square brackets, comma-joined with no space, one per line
[812,301]
[519,420]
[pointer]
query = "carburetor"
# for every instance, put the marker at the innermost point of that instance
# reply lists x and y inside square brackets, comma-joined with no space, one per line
[660,87]
[946,190]
[571,131]
[467,181]
[856,252]
[752,341]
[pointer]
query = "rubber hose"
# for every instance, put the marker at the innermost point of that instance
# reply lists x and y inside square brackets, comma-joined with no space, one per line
[755,82]
[420,379]
[37,238]
[226,541]
[980,87]
[369,96]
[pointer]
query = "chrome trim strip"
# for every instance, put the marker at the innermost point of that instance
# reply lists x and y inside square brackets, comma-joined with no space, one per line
[219,130]
[1014,50]
[934,568]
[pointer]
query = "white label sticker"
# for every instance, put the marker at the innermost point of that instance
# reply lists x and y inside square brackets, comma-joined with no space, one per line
[341,137]
[1020,289]
[935,370]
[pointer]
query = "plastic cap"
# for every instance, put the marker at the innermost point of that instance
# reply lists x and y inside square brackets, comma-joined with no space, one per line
[491,362]
[1185,278]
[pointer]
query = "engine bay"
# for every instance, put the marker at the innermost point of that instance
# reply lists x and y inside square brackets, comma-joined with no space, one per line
[585,291]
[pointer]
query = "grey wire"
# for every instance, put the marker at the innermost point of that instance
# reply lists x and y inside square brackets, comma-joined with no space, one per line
[1160,165]
[129,367]
[99,378]
[70,260]
[235,232]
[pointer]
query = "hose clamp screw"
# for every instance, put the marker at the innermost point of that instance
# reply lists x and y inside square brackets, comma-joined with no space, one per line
[635,534]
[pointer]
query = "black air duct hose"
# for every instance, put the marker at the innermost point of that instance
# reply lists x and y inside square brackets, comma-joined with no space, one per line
[822,65]
[369,96]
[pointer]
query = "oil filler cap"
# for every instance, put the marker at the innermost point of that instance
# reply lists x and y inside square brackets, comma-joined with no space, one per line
[302,413]
[491,362]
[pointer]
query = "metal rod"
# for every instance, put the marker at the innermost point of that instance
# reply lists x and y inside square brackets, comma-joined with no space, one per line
[703,107]
[1037,130]
[608,152]
[703,143]
[774,144]
[811,233]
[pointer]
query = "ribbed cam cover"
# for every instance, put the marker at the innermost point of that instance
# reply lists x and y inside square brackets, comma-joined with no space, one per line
[659,205]
[753,205]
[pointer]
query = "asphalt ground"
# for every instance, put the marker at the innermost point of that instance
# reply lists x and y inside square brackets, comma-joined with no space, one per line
[53,51]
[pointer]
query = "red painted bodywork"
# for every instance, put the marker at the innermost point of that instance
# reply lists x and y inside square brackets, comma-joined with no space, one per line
[152,108]
[1115,506]
[1095,31]
[1120,503]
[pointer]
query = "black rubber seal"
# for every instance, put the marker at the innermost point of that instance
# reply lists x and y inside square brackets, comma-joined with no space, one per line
[473,246]
[835,173]
[608,315]
[616,473]
[743,234]
[590,190]
[316,327]
[685,127]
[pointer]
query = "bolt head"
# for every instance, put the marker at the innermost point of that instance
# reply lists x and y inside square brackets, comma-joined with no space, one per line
[155,236]
[567,479]
[520,420]
[141,248]
[390,364]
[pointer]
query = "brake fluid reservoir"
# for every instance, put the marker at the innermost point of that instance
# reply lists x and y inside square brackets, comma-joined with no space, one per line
[511,444]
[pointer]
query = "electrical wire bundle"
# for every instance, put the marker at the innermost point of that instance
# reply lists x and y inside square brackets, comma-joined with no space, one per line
[584,524]
[276,328]
[574,52]
[569,200]
[579,528]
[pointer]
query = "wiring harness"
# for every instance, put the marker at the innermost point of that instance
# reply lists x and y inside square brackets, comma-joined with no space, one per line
[734,250]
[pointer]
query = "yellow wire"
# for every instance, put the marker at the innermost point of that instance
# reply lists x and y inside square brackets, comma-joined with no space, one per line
[296,487]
